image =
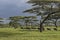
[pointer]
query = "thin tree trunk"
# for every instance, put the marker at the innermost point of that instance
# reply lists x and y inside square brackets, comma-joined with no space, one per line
[31,24]
[26,24]
[55,23]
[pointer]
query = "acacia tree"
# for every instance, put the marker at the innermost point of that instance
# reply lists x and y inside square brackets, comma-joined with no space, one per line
[32,19]
[29,20]
[1,22]
[14,21]
[44,8]
[54,18]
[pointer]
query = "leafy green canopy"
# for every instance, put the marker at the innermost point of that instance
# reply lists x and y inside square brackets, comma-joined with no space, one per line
[45,8]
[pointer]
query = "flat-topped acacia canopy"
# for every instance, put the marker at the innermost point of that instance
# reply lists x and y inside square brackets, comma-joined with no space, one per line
[49,7]
[45,0]
[48,1]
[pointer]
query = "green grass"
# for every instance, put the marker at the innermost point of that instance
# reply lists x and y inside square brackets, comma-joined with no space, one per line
[19,34]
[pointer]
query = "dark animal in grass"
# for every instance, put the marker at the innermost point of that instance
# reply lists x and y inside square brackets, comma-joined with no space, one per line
[38,28]
[55,29]
[27,28]
[33,28]
[22,28]
[43,28]
[48,29]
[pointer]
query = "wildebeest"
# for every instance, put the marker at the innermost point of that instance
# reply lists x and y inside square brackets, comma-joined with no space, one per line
[55,29]
[39,28]
[34,28]
[48,28]
[22,28]
[27,28]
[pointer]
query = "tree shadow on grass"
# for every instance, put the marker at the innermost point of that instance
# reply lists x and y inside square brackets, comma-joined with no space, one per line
[6,34]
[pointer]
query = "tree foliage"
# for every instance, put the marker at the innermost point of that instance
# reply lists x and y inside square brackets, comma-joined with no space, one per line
[45,8]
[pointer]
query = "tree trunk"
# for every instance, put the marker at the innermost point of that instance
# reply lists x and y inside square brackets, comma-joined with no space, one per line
[26,24]
[41,24]
[41,28]
[55,23]
[31,25]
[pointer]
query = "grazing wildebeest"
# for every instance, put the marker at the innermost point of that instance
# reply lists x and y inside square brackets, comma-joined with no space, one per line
[48,29]
[39,28]
[55,29]
[27,28]
[22,28]
[34,28]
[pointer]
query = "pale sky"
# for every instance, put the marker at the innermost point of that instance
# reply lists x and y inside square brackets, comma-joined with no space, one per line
[13,8]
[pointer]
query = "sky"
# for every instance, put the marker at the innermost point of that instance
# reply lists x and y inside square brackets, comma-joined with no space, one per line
[13,8]
[10,8]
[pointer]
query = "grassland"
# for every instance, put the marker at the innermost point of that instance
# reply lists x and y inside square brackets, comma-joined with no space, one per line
[19,34]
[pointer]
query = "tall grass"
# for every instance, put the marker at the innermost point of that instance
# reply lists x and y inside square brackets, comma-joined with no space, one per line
[19,34]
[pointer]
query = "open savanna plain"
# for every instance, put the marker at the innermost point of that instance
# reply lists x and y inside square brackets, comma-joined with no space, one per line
[24,34]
